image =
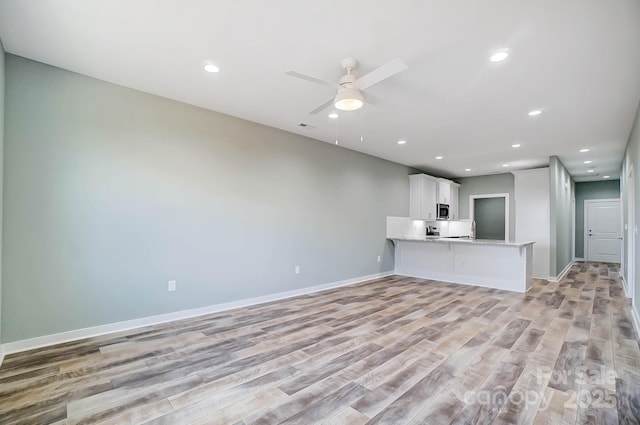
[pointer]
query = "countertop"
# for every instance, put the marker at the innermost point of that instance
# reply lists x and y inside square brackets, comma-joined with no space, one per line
[432,239]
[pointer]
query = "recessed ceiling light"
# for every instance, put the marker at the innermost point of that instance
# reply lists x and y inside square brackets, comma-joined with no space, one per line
[438,157]
[517,145]
[605,177]
[535,112]
[588,162]
[402,142]
[467,169]
[209,67]
[584,150]
[591,171]
[505,165]
[333,115]
[499,56]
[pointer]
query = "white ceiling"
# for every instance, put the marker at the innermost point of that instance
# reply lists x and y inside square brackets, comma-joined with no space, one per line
[578,60]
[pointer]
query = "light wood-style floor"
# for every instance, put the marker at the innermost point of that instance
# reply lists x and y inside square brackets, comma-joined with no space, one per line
[392,351]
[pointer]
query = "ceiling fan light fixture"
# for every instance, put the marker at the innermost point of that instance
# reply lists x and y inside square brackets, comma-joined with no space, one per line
[499,56]
[348,99]
[211,67]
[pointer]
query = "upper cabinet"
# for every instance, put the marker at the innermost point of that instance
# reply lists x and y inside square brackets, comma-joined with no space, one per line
[428,191]
[453,205]
[444,192]
[422,197]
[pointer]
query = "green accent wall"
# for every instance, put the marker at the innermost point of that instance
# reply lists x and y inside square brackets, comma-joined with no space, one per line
[606,189]
[111,192]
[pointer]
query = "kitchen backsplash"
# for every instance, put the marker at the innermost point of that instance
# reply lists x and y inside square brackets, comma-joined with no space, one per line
[400,227]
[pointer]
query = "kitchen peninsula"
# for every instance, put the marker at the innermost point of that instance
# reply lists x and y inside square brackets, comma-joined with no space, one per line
[488,263]
[493,264]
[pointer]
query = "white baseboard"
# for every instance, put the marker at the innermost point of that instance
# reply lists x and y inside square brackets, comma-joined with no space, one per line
[634,313]
[549,278]
[636,320]
[578,259]
[62,337]
[625,288]
[562,273]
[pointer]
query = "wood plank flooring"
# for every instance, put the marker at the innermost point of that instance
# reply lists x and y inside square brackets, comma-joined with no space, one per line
[391,351]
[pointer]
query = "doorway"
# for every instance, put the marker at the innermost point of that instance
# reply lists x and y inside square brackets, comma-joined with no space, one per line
[602,229]
[491,214]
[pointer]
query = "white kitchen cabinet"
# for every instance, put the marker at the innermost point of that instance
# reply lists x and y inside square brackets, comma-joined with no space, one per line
[444,192]
[422,197]
[448,194]
[454,202]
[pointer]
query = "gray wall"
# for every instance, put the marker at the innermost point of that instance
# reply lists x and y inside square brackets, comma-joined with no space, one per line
[632,160]
[111,192]
[561,197]
[484,185]
[2,65]
[606,189]
[489,217]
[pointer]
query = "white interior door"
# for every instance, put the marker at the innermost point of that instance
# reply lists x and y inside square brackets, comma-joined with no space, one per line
[603,230]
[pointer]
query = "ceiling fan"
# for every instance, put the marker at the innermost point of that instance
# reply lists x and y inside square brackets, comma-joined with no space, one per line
[349,96]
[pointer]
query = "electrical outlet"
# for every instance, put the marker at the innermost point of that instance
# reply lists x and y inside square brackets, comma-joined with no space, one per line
[378,258]
[297,270]
[172,286]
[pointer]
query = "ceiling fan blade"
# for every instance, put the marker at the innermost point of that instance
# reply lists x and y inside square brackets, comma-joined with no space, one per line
[322,107]
[381,73]
[310,78]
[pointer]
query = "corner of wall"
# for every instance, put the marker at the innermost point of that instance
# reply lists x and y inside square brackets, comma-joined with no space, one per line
[630,162]
[561,194]
[2,84]
[552,214]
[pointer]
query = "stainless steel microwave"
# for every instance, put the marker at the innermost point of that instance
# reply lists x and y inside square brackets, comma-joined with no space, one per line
[442,211]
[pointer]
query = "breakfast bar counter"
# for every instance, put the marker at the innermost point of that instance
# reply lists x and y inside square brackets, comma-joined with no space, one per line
[493,264]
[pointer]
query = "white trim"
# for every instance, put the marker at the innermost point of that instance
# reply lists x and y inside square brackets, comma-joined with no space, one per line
[573,225]
[636,321]
[562,273]
[634,313]
[578,259]
[58,338]
[628,260]
[624,285]
[507,220]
